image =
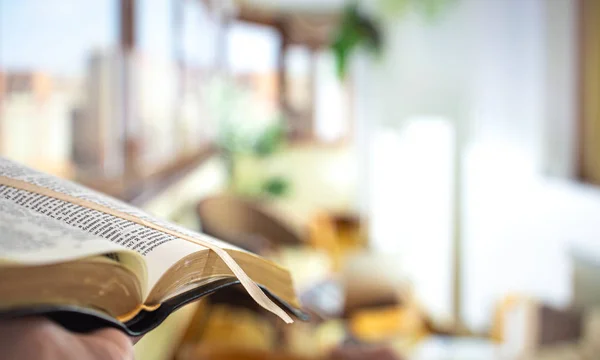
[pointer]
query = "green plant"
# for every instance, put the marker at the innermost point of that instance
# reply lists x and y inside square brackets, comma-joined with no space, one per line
[236,142]
[269,140]
[355,29]
[276,186]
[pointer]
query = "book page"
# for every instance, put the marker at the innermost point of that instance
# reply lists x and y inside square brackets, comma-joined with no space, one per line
[29,238]
[20,172]
[160,250]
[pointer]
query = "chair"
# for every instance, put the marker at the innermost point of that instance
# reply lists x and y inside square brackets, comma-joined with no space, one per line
[244,224]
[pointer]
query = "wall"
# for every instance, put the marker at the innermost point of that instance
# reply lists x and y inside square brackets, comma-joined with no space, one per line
[501,75]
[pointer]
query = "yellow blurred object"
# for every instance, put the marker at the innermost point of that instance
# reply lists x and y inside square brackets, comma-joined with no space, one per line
[378,324]
[329,335]
[337,234]
[506,305]
[210,352]
[349,232]
[194,329]
[235,327]
[302,339]
[322,236]
[162,342]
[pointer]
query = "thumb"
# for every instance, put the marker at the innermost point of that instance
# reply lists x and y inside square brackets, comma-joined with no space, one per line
[110,344]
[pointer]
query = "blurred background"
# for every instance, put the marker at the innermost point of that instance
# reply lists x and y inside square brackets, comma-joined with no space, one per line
[427,169]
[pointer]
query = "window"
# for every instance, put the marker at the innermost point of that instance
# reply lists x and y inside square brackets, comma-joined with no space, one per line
[46,51]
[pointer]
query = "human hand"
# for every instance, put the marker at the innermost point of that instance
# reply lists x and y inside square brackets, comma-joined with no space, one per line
[38,338]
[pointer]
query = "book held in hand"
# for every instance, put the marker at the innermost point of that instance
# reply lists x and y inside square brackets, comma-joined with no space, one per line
[88,260]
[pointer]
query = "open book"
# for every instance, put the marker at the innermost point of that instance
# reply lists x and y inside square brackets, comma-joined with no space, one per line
[68,252]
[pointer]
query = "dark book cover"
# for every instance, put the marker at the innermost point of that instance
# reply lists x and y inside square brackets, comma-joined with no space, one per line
[82,320]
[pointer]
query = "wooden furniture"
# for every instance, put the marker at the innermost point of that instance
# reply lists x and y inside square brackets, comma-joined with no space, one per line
[242,223]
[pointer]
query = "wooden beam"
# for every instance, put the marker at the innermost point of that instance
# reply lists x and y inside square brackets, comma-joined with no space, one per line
[589,91]
[258,17]
[127,37]
[309,126]
[143,189]
[282,68]
[167,175]
[304,29]
[127,24]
